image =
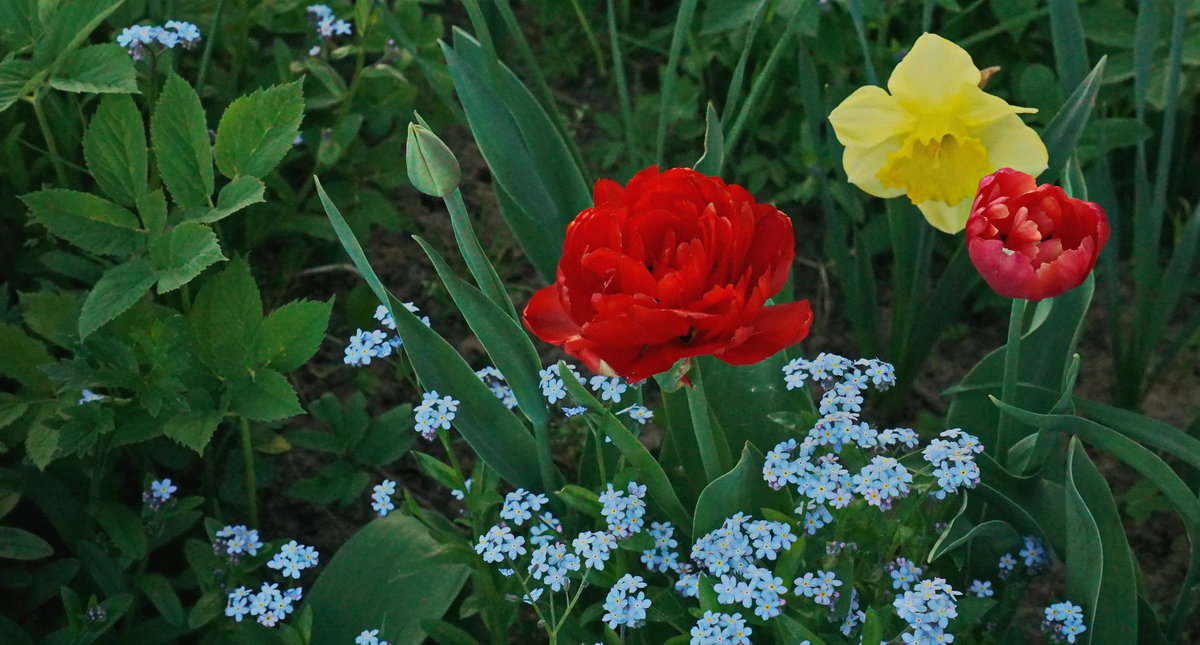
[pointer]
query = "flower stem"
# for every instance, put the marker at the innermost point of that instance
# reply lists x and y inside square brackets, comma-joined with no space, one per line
[251,479]
[444,435]
[206,57]
[706,440]
[51,145]
[1012,363]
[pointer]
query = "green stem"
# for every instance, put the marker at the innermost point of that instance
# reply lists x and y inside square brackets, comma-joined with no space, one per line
[1012,364]
[51,145]
[477,262]
[599,441]
[860,28]
[251,479]
[706,439]
[591,37]
[206,58]
[622,83]
[444,435]
[541,434]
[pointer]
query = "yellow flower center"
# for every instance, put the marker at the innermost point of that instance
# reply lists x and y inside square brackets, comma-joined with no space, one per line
[945,169]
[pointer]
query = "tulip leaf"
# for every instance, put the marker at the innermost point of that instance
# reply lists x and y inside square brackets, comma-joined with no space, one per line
[505,341]
[491,430]
[1064,131]
[1034,505]
[650,471]
[714,144]
[1100,567]
[742,489]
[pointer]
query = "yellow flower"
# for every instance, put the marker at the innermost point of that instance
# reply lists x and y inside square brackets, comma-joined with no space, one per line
[935,135]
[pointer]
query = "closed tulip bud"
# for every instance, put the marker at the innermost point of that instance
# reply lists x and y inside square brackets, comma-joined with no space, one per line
[432,168]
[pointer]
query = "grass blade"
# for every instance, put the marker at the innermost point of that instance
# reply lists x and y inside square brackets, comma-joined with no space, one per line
[1070,48]
[1063,132]
[683,21]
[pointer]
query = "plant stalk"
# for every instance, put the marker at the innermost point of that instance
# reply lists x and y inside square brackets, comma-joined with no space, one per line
[1012,364]
[251,478]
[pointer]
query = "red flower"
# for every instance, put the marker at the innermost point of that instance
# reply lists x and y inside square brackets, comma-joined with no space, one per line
[1030,241]
[675,264]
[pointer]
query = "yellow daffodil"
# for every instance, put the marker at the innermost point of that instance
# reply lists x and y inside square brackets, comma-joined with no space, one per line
[933,134]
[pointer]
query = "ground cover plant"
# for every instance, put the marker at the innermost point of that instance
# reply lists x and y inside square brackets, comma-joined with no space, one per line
[614,322]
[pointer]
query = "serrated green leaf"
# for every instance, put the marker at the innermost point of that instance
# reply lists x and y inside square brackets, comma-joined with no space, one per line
[292,333]
[182,253]
[179,133]
[152,206]
[98,69]
[22,356]
[17,78]
[193,429]
[383,576]
[51,315]
[226,320]
[234,196]
[257,130]
[117,290]
[93,224]
[41,444]
[115,148]
[18,544]
[264,395]
[68,26]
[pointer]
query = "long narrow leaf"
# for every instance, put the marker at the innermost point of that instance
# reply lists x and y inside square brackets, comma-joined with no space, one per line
[651,473]
[492,431]
[1064,130]
[683,22]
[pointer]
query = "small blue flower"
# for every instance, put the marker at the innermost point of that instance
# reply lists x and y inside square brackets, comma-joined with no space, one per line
[623,608]
[87,396]
[981,589]
[499,543]
[639,413]
[1064,621]
[435,413]
[236,541]
[381,497]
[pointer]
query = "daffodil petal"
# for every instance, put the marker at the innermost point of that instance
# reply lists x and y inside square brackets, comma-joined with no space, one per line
[863,165]
[933,73]
[980,109]
[1012,144]
[868,117]
[947,218]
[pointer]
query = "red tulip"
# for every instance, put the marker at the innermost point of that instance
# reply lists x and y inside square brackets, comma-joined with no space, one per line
[676,264]
[1030,241]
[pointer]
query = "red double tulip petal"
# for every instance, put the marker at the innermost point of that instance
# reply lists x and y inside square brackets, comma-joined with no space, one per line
[1032,242]
[672,265]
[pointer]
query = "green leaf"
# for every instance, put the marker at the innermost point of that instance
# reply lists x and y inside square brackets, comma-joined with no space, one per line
[124,527]
[996,530]
[180,136]
[387,438]
[1033,504]
[432,168]
[182,253]
[384,575]
[437,471]
[69,26]
[491,430]
[796,632]
[22,357]
[118,289]
[337,482]
[206,609]
[1100,567]
[17,544]
[234,196]
[714,144]
[1144,430]
[505,341]
[152,206]
[17,78]
[264,395]
[444,633]
[742,489]
[872,629]
[743,395]
[1070,49]
[98,69]
[193,429]
[93,224]
[650,472]
[41,444]
[115,148]
[257,130]
[226,320]
[1064,131]
[292,333]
